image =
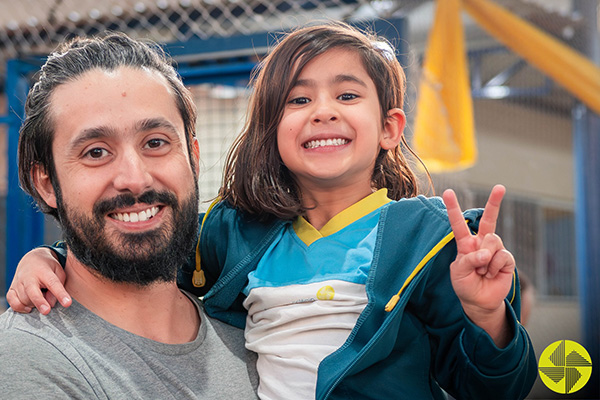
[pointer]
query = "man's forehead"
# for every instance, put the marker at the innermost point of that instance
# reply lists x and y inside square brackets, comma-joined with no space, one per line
[123,73]
[124,98]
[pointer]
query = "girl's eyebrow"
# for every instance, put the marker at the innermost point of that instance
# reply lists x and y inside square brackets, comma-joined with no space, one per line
[337,79]
[348,78]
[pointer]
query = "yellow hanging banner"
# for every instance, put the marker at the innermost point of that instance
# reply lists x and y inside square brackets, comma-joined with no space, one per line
[444,135]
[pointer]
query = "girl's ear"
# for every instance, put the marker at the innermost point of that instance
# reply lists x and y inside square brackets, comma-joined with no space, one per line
[393,129]
[43,185]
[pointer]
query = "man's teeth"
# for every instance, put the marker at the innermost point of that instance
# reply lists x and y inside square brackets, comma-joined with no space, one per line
[136,217]
[313,144]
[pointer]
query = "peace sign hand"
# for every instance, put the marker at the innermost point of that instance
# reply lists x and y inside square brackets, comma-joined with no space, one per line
[482,272]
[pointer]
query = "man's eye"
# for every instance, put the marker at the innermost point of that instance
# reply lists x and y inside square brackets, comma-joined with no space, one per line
[347,96]
[97,152]
[155,143]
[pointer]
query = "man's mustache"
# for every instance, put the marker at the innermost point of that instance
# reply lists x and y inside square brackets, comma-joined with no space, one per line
[103,207]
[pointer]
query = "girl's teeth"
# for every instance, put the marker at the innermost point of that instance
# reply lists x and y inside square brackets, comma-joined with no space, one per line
[136,217]
[313,144]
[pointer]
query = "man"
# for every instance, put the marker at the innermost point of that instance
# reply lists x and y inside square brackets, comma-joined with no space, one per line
[108,148]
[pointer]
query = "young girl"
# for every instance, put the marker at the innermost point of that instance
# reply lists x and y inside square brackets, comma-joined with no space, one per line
[348,284]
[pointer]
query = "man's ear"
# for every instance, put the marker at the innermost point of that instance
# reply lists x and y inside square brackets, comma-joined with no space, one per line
[393,128]
[196,155]
[43,185]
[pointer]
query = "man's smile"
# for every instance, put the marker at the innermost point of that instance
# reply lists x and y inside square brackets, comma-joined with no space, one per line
[135,216]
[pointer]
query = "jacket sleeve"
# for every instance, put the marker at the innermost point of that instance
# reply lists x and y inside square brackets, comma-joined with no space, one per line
[60,250]
[466,362]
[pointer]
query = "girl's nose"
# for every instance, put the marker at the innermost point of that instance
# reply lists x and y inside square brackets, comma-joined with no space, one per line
[132,174]
[325,112]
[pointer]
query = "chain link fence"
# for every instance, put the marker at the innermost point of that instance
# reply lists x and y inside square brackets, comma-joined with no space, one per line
[36,26]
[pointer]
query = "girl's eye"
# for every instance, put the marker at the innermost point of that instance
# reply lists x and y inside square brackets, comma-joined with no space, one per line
[96,153]
[155,143]
[300,100]
[347,96]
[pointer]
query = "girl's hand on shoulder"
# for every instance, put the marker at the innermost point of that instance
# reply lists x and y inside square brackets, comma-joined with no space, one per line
[482,273]
[38,270]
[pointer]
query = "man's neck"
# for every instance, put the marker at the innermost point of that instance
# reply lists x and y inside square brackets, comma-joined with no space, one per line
[160,311]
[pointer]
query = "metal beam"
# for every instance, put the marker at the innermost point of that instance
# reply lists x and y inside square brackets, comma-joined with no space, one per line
[496,87]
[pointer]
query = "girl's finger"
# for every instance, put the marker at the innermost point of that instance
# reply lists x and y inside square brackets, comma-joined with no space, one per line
[56,286]
[54,283]
[489,218]
[474,261]
[15,303]
[50,298]
[34,293]
[502,261]
[455,216]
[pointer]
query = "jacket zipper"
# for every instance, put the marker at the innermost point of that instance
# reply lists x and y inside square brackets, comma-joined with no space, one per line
[396,298]
[436,249]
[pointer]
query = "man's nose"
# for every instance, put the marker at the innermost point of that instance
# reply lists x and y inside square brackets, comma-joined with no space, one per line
[133,174]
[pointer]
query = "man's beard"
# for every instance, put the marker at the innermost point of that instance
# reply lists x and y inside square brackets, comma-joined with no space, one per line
[137,258]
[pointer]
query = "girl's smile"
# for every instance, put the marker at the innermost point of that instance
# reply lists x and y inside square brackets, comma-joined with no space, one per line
[320,143]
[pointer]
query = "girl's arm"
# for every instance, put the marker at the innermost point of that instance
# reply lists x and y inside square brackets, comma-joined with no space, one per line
[38,282]
[466,361]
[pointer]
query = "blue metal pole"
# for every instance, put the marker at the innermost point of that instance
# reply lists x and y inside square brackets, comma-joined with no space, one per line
[587,230]
[24,225]
[586,146]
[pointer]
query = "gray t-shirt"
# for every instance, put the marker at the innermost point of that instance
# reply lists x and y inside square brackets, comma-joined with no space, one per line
[74,354]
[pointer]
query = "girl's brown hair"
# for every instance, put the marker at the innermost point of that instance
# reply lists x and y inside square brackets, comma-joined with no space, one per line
[255,179]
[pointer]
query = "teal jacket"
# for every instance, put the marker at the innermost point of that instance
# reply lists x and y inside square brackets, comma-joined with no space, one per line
[412,339]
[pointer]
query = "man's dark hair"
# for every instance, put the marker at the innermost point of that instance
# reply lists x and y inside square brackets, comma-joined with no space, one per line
[69,61]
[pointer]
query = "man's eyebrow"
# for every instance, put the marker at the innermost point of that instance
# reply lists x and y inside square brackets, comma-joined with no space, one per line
[97,132]
[100,132]
[155,123]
